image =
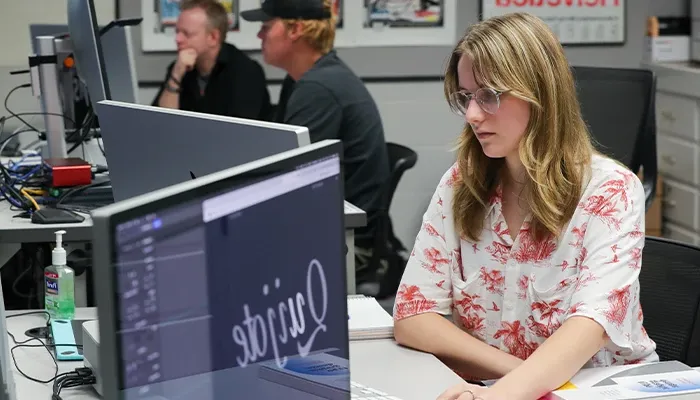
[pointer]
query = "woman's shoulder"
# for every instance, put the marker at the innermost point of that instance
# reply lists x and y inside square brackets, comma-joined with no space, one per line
[449,179]
[610,178]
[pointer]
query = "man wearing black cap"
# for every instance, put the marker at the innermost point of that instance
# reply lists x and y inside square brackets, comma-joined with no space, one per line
[322,93]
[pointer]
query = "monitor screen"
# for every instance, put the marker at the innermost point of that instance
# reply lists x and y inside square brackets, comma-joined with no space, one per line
[87,49]
[238,292]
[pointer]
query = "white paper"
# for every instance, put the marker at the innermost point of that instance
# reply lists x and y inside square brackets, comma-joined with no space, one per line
[589,377]
[639,387]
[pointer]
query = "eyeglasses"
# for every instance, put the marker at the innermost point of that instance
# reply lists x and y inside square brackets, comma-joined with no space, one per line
[488,99]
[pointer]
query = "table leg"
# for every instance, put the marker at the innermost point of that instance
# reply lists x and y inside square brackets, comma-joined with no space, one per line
[350,260]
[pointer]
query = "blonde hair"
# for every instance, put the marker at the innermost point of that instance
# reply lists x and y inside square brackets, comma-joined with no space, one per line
[519,53]
[320,34]
[215,12]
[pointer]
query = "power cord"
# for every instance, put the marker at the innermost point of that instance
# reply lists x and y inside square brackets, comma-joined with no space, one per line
[78,377]
[12,113]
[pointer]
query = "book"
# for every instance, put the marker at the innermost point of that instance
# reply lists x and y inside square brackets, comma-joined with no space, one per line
[368,320]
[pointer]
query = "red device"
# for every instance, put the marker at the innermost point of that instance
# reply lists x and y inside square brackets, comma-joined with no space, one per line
[67,172]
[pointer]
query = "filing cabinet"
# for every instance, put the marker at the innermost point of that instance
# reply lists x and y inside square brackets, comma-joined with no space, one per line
[678,148]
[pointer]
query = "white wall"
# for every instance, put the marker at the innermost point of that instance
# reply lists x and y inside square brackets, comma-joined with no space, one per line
[414,114]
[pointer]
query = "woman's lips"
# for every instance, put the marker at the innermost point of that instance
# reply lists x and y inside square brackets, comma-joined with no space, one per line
[484,135]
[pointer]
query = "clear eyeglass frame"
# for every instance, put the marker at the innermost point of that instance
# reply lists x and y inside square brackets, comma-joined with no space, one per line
[488,100]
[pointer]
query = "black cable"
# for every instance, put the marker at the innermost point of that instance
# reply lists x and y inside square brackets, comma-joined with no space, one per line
[9,189]
[83,373]
[12,113]
[78,189]
[79,377]
[25,114]
[84,130]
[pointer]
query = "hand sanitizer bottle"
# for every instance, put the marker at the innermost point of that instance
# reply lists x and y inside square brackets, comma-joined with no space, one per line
[59,296]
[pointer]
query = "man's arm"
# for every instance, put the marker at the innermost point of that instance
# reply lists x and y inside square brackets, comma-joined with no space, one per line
[313,106]
[169,94]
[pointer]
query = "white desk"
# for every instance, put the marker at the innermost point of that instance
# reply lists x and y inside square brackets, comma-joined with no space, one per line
[15,231]
[380,364]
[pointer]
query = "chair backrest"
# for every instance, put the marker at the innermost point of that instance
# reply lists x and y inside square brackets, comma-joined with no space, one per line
[670,297]
[401,158]
[618,106]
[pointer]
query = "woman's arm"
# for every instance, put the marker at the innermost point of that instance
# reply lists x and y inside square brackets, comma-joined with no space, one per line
[606,295]
[433,333]
[553,363]
[424,297]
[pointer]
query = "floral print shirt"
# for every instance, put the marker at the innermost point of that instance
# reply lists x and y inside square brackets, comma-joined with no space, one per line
[513,294]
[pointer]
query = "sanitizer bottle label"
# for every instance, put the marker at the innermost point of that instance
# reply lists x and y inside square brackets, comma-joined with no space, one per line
[51,279]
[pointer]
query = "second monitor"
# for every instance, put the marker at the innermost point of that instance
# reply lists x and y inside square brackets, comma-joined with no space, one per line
[149,148]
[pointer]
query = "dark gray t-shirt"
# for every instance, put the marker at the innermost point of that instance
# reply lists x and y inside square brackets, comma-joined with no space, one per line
[334,103]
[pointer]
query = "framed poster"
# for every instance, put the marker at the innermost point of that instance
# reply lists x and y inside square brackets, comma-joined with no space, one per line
[575,22]
[405,22]
[160,18]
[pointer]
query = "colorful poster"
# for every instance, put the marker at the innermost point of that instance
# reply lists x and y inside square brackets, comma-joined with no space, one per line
[338,12]
[573,21]
[405,23]
[404,13]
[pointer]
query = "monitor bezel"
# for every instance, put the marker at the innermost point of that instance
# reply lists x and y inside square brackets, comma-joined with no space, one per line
[106,219]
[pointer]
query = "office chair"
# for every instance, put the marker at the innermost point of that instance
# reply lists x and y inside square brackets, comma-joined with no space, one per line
[618,106]
[386,245]
[670,297]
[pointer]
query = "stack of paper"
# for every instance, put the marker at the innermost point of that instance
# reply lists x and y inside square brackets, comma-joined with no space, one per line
[639,381]
[368,320]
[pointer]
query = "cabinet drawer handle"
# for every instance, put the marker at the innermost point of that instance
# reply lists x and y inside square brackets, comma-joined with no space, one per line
[669,203]
[671,160]
[667,115]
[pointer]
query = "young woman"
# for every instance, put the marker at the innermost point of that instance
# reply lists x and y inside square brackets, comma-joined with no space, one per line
[532,240]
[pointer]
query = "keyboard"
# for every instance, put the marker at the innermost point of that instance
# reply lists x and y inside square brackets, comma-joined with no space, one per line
[362,392]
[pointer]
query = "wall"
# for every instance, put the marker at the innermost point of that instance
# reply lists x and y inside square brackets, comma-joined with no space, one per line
[412,107]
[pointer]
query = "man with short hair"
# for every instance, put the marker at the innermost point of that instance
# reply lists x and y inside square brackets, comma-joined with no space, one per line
[322,93]
[210,75]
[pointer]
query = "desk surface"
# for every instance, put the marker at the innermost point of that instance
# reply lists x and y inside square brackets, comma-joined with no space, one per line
[370,362]
[22,230]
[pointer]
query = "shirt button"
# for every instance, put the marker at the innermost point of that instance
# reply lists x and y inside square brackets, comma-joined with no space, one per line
[508,304]
[511,263]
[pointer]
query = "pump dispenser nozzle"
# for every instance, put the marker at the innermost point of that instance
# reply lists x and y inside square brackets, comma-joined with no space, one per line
[58,255]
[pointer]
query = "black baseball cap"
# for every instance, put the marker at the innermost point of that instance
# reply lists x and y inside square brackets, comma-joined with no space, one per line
[287,9]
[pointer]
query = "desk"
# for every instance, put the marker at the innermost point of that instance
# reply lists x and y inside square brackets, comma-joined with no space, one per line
[370,362]
[380,364]
[15,231]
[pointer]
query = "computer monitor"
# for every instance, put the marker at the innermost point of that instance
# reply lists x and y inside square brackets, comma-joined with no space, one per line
[230,286]
[7,386]
[87,49]
[149,148]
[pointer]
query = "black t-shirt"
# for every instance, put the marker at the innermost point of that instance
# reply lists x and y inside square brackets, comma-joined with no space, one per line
[236,87]
[334,103]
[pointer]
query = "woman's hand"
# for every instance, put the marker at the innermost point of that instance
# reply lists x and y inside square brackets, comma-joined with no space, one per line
[466,391]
